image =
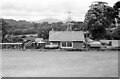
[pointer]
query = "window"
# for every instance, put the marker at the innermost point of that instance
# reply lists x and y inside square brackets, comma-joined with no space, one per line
[66,44]
[63,44]
[69,44]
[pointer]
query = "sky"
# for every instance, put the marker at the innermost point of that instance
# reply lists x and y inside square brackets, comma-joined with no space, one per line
[32,10]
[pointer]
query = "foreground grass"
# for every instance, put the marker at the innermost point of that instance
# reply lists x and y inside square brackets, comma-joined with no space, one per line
[59,63]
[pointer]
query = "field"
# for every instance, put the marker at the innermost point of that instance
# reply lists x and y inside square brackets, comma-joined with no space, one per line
[34,63]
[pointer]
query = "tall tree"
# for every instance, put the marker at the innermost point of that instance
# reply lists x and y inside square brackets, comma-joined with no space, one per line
[4,28]
[117,6]
[116,31]
[98,18]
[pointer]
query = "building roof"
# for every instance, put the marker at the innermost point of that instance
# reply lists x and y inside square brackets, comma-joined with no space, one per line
[66,36]
[39,40]
[95,43]
[29,38]
[11,43]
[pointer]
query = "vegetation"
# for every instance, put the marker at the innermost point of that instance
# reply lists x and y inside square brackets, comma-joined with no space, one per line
[22,27]
[99,22]
[116,31]
[99,18]
[3,29]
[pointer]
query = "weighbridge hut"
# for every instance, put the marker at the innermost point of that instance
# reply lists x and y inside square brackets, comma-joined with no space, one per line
[67,39]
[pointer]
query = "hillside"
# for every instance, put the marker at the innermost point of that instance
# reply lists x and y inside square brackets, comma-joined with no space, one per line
[49,20]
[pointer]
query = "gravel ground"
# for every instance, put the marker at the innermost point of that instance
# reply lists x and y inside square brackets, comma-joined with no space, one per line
[34,63]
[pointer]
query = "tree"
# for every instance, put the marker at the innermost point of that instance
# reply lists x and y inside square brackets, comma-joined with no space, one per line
[116,8]
[30,30]
[35,25]
[116,31]
[4,28]
[43,33]
[77,26]
[17,32]
[98,18]
[98,32]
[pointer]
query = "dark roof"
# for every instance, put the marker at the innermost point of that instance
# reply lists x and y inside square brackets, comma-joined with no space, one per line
[66,36]
[29,38]
[114,42]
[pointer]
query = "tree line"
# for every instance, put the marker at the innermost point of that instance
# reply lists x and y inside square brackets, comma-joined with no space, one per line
[99,22]
[22,27]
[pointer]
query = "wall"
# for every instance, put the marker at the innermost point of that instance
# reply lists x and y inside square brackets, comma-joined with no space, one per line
[78,45]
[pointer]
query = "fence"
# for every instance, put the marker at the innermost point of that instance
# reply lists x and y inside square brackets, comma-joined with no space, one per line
[11,45]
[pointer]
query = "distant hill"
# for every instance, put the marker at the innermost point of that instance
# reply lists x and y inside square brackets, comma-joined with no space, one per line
[49,20]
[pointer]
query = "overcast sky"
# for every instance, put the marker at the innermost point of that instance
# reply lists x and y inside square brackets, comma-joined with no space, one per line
[40,9]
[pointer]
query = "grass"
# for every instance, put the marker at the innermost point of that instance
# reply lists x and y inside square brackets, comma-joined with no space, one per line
[33,63]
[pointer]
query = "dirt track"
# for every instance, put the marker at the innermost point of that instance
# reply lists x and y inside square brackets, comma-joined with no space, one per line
[59,63]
